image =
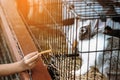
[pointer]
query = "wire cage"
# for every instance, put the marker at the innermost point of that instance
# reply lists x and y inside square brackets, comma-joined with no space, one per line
[6,57]
[81,36]
[84,36]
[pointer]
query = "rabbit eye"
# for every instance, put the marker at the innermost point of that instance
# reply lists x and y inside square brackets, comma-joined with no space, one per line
[83,30]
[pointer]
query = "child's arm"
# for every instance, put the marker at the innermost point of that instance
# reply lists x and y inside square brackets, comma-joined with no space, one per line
[22,65]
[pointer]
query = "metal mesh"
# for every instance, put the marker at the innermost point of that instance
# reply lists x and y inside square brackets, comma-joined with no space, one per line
[5,57]
[84,35]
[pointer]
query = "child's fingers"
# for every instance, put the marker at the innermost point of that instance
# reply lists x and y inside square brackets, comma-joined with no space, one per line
[31,54]
[32,59]
[32,64]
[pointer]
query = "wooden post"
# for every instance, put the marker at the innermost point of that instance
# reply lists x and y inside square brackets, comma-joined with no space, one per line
[19,39]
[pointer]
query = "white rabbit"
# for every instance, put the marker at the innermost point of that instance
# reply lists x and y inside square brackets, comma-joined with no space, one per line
[92,46]
[88,51]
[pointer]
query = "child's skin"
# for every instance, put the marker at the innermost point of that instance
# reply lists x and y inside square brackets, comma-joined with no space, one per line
[28,62]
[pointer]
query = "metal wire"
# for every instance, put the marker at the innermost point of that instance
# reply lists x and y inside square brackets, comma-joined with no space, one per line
[79,10]
[6,58]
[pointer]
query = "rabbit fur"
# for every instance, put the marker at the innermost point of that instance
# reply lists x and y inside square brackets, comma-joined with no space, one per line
[92,49]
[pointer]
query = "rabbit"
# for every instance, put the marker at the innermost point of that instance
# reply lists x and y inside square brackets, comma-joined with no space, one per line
[88,37]
[91,47]
[81,31]
[97,43]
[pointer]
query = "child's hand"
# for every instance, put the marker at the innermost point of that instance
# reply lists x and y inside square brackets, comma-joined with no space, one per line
[29,61]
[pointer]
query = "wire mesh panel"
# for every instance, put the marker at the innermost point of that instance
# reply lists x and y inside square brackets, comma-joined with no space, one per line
[84,36]
[5,57]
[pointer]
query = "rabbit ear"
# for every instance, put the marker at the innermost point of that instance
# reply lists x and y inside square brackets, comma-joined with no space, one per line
[94,25]
[99,26]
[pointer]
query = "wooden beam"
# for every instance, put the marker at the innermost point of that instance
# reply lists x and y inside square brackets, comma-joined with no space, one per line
[19,39]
